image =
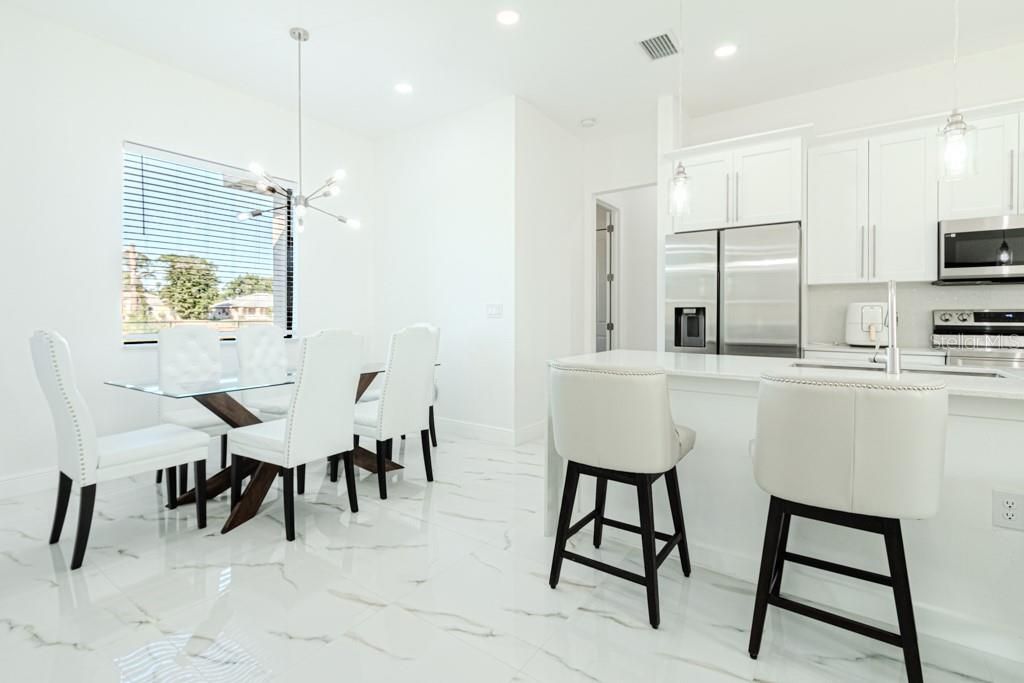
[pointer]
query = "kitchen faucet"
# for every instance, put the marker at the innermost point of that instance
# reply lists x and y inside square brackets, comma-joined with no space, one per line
[892,353]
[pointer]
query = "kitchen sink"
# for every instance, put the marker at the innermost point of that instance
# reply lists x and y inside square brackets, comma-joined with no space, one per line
[881,368]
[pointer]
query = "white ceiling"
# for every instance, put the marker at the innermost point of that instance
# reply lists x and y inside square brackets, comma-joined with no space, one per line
[571,58]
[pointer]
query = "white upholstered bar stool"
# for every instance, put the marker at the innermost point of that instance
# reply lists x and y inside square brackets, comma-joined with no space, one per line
[189,354]
[616,425]
[406,395]
[319,421]
[857,453]
[84,459]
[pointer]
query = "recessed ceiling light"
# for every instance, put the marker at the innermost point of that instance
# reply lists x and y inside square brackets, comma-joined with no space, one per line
[588,122]
[508,17]
[725,51]
[403,88]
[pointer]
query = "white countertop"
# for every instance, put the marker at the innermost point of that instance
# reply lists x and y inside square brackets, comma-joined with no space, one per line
[835,346]
[1009,386]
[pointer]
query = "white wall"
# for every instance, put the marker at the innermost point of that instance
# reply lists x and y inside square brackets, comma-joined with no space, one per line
[549,264]
[636,241]
[445,249]
[70,103]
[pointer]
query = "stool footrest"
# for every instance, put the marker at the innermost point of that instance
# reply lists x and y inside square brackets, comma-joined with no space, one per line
[660,535]
[586,519]
[836,620]
[604,567]
[835,568]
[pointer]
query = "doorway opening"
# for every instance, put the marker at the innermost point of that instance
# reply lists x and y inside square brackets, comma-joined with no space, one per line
[605,301]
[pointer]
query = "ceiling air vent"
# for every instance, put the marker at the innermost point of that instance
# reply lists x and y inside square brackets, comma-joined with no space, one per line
[659,47]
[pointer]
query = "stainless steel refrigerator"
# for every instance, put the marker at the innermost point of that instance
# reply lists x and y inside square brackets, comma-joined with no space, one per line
[734,291]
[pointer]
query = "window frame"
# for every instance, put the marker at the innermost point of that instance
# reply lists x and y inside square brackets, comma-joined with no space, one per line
[129,147]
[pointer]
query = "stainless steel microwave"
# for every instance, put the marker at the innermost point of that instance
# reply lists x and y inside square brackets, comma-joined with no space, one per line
[981,249]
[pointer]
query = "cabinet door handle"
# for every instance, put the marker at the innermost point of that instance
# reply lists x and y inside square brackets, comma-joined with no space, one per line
[1012,184]
[863,251]
[736,213]
[874,251]
[727,198]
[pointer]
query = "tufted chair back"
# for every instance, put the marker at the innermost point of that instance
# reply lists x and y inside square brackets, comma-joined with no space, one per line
[262,358]
[76,433]
[320,416]
[408,388]
[872,447]
[187,354]
[615,418]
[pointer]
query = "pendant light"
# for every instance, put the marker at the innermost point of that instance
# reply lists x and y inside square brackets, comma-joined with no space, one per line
[300,202]
[957,137]
[1005,253]
[679,184]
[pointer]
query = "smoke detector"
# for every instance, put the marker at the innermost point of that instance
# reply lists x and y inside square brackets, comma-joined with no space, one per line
[659,47]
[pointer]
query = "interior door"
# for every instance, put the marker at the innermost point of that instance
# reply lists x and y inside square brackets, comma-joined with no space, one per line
[903,232]
[767,182]
[710,194]
[760,291]
[837,213]
[992,190]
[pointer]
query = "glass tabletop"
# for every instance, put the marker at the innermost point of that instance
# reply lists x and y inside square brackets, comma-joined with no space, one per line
[220,385]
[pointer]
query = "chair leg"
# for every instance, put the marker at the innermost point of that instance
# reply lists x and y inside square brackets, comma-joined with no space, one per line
[300,479]
[646,500]
[433,430]
[61,510]
[572,480]
[425,441]
[676,503]
[172,488]
[159,476]
[183,478]
[772,535]
[332,468]
[223,451]
[289,504]
[350,481]
[85,508]
[383,453]
[904,605]
[602,493]
[780,556]
[200,475]
[236,479]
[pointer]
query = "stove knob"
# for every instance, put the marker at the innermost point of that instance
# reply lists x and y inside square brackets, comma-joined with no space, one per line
[946,317]
[963,317]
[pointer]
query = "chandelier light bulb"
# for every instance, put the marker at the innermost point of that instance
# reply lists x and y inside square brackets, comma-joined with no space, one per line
[244,215]
[256,169]
[354,223]
[333,191]
[338,175]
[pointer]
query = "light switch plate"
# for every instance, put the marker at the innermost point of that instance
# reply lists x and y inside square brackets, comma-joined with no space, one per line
[1008,510]
[495,310]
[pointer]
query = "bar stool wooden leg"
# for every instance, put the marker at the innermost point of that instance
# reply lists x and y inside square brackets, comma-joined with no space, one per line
[780,555]
[768,558]
[646,501]
[676,503]
[572,480]
[904,605]
[602,494]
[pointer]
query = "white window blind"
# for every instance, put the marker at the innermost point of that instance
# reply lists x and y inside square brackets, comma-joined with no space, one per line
[187,259]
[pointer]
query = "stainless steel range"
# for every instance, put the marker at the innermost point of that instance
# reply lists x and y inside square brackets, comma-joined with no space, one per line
[989,338]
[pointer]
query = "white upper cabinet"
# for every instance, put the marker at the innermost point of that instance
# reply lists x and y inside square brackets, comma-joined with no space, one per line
[709,187]
[837,213]
[759,183]
[903,208]
[767,182]
[993,189]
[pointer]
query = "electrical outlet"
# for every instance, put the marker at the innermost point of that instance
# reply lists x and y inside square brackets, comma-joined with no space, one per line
[1008,510]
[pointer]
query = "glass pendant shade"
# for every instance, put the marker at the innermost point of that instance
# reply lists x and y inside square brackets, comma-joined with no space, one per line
[679,192]
[1005,253]
[958,148]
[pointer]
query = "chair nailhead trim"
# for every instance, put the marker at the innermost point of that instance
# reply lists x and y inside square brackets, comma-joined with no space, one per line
[70,406]
[291,408]
[854,385]
[633,372]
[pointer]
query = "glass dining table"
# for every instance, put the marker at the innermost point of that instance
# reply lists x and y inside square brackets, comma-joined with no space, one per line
[216,396]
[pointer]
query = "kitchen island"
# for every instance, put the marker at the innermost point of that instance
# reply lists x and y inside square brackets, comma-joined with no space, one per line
[967,576]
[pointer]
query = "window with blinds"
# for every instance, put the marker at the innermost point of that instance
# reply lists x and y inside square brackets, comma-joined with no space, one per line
[187,257]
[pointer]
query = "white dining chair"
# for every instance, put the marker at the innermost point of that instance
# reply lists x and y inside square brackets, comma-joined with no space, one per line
[373,392]
[406,394]
[84,459]
[263,359]
[190,354]
[319,422]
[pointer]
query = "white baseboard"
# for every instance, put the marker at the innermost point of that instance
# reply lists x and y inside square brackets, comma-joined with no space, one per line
[473,430]
[531,432]
[872,602]
[28,482]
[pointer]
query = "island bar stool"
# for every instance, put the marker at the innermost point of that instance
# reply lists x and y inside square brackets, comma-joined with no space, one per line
[859,454]
[85,459]
[616,425]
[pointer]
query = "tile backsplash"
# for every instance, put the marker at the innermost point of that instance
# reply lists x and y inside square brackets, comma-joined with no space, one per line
[825,308]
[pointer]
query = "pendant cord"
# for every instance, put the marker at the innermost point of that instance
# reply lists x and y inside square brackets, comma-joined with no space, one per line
[679,103]
[956,52]
[300,116]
